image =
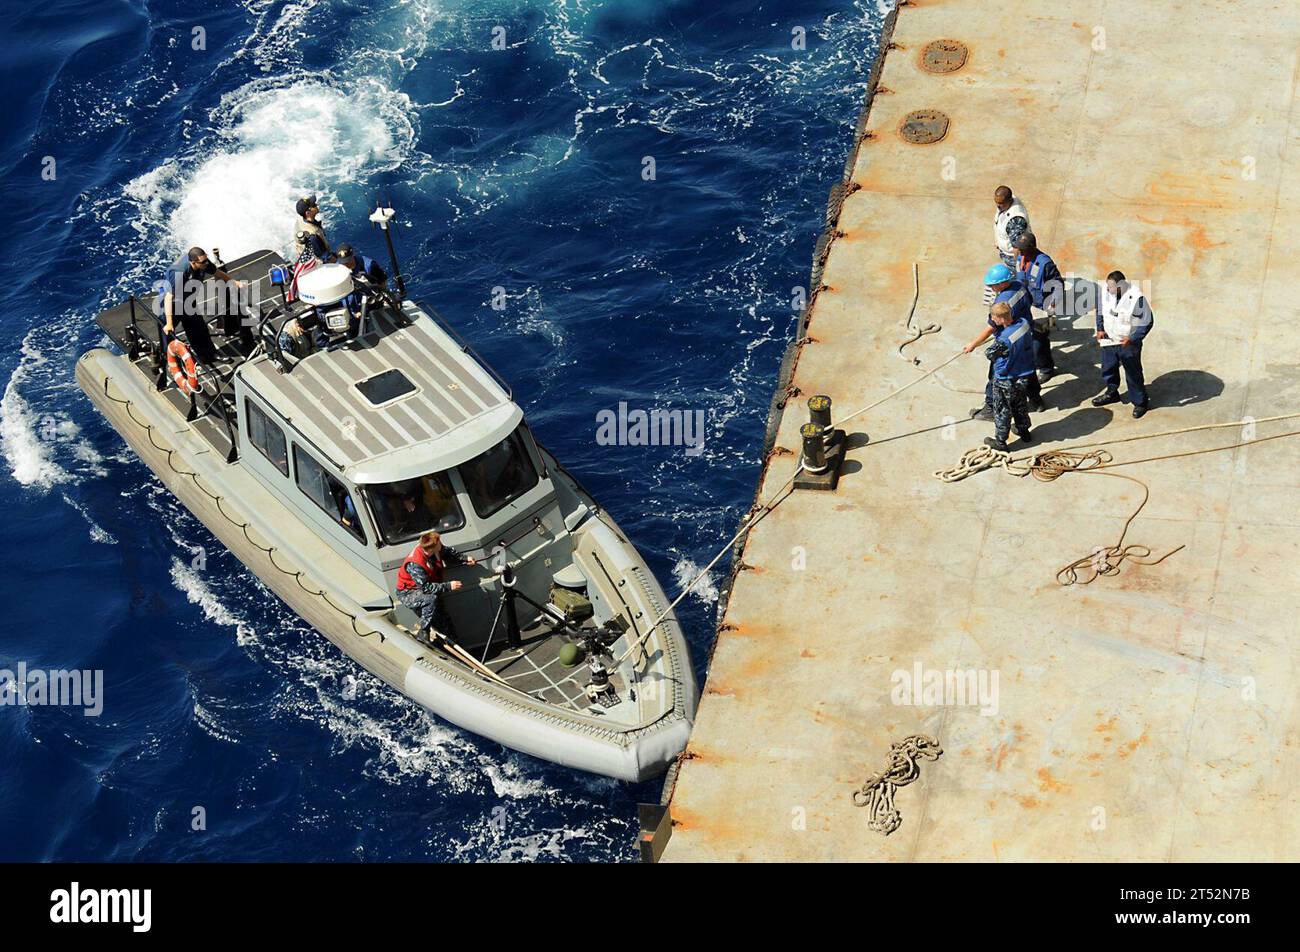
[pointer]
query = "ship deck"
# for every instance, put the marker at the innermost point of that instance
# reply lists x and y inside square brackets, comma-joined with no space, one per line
[1148,715]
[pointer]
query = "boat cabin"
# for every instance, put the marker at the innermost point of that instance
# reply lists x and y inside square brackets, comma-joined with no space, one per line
[373,439]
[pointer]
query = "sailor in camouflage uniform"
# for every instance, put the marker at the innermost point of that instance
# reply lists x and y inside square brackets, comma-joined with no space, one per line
[1012,354]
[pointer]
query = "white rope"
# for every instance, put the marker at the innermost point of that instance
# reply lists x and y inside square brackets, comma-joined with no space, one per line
[758,512]
[984,457]
[920,332]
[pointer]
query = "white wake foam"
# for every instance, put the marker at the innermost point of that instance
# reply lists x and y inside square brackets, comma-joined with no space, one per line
[30,439]
[189,581]
[684,571]
[276,141]
[97,532]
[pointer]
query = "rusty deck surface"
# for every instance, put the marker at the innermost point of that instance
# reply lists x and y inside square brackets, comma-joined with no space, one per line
[1150,715]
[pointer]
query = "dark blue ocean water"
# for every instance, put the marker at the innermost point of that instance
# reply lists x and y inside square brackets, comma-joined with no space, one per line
[518,168]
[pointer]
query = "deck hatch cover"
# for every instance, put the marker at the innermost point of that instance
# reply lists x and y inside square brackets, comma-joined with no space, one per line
[385,387]
[924,126]
[943,56]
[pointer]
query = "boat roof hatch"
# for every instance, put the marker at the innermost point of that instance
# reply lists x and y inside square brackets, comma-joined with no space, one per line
[401,401]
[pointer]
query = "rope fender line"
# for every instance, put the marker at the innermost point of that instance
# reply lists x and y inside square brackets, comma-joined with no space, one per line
[218,499]
[760,509]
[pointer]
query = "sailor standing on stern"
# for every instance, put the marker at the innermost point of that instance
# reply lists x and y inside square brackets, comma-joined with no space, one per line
[420,586]
[183,295]
[1124,319]
[309,235]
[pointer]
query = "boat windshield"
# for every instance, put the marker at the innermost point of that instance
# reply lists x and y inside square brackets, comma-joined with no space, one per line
[408,507]
[499,476]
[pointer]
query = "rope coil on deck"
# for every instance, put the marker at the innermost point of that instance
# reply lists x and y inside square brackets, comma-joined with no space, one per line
[976,461]
[877,793]
[1103,561]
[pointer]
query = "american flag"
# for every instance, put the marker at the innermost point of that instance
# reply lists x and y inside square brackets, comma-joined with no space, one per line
[306,261]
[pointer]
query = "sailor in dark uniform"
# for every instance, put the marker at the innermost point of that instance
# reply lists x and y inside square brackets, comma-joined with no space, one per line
[1006,290]
[1042,279]
[182,294]
[310,234]
[367,276]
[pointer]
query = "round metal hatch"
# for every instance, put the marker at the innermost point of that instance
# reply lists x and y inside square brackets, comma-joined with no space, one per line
[943,56]
[924,126]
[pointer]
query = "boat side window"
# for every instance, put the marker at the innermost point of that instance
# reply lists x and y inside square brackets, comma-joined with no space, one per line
[267,436]
[327,492]
[408,507]
[499,476]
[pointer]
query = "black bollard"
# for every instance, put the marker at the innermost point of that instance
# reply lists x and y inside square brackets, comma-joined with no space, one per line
[819,411]
[814,447]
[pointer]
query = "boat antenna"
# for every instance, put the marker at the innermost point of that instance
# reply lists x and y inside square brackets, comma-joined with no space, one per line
[382,216]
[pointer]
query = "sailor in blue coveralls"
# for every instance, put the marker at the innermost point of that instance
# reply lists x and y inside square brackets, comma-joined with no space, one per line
[1042,279]
[1012,357]
[372,276]
[1001,281]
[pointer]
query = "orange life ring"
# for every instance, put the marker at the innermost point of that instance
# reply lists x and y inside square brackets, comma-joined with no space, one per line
[181,365]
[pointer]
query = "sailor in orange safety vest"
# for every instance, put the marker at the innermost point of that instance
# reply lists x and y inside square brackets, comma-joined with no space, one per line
[420,585]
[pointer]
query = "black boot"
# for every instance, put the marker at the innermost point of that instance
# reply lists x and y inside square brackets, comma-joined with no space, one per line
[1025,436]
[1110,396]
[995,443]
[984,413]
[1139,411]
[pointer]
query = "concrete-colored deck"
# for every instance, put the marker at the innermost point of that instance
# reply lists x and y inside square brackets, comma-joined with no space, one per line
[1148,716]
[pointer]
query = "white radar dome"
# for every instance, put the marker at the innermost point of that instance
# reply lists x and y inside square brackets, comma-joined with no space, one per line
[325,284]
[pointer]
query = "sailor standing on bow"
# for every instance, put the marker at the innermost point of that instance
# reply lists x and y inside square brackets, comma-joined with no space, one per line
[1124,319]
[1010,223]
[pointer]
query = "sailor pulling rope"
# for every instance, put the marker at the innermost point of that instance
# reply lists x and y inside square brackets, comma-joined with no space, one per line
[1044,466]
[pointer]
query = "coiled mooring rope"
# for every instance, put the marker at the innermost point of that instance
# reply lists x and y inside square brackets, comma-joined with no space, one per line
[877,794]
[1105,560]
